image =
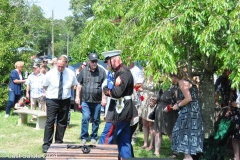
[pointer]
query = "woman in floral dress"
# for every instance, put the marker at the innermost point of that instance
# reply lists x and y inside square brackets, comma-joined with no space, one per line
[187,134]
[149,94]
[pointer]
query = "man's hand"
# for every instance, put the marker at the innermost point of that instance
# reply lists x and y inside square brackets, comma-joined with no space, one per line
[77,100]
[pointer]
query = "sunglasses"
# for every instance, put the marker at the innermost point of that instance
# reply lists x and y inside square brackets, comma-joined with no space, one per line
[94,61]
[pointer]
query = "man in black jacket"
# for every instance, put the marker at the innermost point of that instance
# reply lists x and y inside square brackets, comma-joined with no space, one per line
[223,86]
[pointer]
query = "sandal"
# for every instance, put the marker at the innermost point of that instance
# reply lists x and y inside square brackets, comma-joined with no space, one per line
[174,155]
[144,147]
[149,148]
[154,154]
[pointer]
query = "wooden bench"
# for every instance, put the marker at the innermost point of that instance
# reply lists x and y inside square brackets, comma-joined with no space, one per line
[60,151]
[40,115]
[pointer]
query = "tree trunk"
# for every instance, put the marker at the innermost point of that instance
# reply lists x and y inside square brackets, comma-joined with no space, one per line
[207,102]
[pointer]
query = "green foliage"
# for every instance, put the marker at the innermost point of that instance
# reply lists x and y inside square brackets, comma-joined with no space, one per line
[38,29]
[82,10]
[167,34]
[11,37]
[205,34]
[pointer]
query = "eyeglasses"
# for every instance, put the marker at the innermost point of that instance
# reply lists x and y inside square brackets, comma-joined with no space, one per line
[45,61]
[94,61]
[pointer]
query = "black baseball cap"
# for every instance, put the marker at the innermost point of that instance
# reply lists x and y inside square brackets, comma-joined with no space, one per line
[93,57]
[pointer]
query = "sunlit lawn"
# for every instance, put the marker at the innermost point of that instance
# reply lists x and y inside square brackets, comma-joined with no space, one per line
[22,141]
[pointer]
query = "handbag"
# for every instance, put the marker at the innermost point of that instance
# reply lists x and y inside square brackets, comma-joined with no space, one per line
[152,114]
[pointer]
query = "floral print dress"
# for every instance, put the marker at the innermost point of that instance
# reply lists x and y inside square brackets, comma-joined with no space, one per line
[188,134]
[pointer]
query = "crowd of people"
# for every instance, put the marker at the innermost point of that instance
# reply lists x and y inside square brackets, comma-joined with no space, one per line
[131,101]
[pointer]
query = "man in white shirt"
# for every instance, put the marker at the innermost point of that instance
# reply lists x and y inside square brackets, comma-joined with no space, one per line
[34,85]
[138,80]
[57,86]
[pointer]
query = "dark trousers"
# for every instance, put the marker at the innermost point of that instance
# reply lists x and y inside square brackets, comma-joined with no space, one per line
[12,99]
[61,109]
[133,129]
[140,126]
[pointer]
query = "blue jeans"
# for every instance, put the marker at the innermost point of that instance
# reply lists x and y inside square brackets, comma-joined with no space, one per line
[12,99]
[90,110]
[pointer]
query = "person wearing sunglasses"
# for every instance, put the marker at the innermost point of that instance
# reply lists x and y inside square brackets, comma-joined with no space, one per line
[90,81]
[45,61]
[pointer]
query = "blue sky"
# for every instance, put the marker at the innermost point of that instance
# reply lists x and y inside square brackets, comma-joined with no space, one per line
[60,8]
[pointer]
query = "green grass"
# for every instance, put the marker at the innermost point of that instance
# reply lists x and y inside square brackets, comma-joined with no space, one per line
[20,141]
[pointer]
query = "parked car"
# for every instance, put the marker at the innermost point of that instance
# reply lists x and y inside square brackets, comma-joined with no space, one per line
[47,57]
[69,58]
[37,60]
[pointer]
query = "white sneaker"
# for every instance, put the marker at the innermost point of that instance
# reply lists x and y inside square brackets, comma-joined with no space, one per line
[83,141]
[93,141]
[6,116]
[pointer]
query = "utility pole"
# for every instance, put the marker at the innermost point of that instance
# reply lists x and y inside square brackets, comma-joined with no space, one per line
[67,43]
[52,34]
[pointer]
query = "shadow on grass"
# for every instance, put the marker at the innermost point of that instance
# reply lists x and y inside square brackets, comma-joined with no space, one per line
[165,150]
[30,124]
[73,125]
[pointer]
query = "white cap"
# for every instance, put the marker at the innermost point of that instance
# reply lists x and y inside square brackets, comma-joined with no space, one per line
[110,54]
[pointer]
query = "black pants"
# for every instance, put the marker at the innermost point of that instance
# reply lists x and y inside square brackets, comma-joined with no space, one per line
[140,126]
[59,108]
[133,129]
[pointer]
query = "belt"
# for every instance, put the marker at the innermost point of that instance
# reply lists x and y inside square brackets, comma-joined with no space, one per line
[125,97]
[57,99]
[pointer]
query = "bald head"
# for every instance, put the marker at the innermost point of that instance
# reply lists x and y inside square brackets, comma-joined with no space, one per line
[61,63]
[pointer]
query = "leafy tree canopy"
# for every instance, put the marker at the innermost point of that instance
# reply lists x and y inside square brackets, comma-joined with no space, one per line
[205,34]
[12,36]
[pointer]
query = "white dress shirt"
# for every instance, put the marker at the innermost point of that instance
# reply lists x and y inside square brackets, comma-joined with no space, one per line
[52,83]
[137,73]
